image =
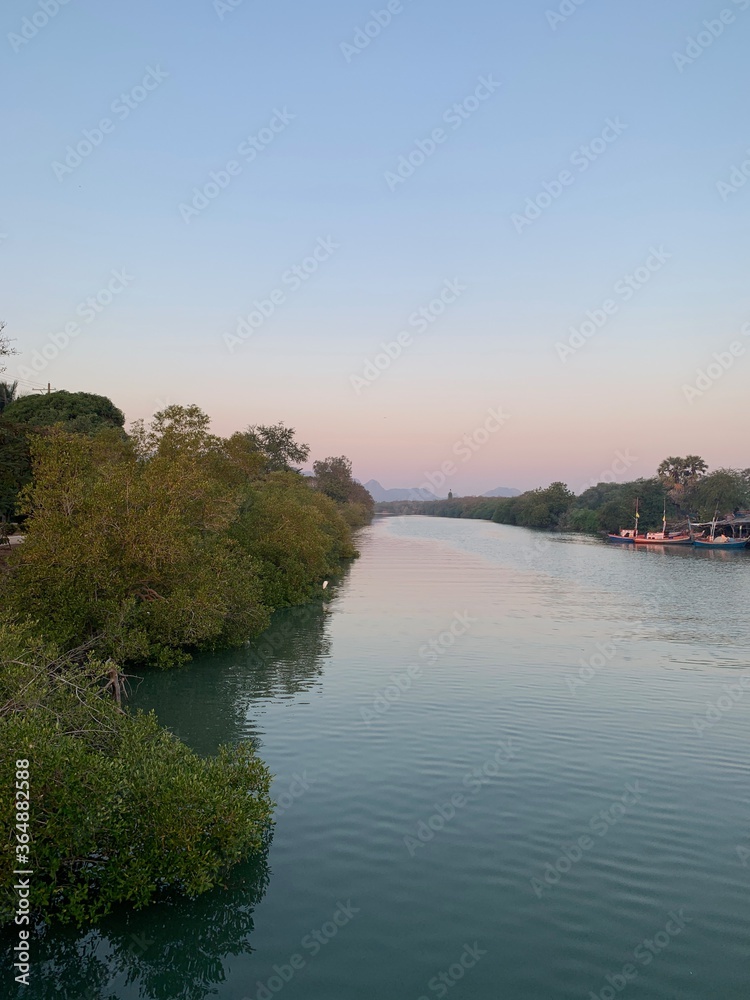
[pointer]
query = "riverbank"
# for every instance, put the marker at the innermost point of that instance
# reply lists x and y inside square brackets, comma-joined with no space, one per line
[142,551]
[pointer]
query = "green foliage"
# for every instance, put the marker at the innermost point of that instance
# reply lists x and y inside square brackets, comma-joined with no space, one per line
[8,392]
[333,476]
[297,536]
[171,541]
[542,508]
[582,520]
[677,473]
[120,810]
[79,412]
[142,548]
[278,447]
[725,491]
[613,505]
[15,466]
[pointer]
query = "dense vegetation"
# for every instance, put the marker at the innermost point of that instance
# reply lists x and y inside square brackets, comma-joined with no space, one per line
[23,417]
[682,485]
[120,810]
[141,548]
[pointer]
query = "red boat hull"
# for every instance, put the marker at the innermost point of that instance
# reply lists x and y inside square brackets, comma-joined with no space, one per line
[676,540]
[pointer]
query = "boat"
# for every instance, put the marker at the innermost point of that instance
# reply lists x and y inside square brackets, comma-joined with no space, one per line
[731,533]
[663,537]
[721,542]
[626,537]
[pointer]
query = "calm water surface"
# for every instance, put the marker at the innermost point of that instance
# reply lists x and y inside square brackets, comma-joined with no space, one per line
[519,761]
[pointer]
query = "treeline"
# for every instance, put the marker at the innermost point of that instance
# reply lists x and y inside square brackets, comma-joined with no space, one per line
[141,548]
[682,487]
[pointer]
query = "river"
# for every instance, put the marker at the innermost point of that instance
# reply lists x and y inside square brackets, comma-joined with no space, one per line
[509,765]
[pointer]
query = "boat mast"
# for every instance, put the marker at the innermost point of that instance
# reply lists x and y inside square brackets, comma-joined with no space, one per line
[637,515]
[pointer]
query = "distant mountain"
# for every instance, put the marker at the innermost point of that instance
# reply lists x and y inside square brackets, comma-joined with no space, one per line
[380,495]
[503,491]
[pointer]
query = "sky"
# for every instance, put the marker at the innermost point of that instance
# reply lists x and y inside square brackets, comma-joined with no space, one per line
[492,242]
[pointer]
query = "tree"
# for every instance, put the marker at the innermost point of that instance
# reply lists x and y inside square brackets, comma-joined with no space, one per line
[543,508]
[679,473]
[120,809]
[15,466]
[165,542]
[130,549]
[8,391]
[79,412]
[6,349]
[724,490]
[276,443]
[296,534]
[333,476]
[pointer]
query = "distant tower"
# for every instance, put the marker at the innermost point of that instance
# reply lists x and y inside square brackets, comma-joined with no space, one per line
[450,494]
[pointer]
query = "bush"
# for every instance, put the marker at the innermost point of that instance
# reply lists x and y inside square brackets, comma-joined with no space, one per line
[121,810]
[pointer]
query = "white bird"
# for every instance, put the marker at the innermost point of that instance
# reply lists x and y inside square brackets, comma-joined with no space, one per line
[325,584]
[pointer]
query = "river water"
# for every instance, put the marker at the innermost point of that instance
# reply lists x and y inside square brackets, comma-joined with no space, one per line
[509,765]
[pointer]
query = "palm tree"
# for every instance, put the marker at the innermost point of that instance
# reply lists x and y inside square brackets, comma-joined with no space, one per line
[677,473]
[8,393]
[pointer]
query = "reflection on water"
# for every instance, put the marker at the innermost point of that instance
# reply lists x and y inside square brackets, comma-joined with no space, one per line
[548,785]
[177,949]
[208,702]
[174,950]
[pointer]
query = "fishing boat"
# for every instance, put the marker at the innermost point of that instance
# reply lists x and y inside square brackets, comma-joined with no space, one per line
[626,537]
[721,542]
[663,537]
[731,533]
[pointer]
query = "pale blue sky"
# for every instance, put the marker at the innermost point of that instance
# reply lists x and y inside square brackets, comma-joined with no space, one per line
[323,176]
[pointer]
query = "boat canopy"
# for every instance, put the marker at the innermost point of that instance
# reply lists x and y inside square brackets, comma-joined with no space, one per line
[726,522]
